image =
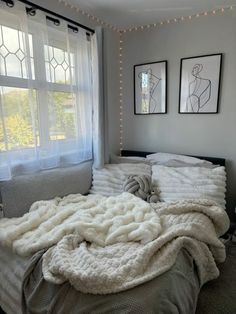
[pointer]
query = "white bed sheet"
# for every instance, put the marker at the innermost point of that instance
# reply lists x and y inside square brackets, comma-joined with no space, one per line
[12,268]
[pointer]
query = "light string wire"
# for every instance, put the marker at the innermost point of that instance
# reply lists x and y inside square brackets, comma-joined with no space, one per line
[121,46]
[179,19]
[147,26]
[89,15]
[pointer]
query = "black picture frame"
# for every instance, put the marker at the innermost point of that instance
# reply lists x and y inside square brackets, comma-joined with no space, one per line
[151,96]
[200,93]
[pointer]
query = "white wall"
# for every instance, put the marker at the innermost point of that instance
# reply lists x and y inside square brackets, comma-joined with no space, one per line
[206,135]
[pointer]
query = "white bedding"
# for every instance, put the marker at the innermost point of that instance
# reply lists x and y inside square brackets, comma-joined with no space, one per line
[127,243]
[109,180]
[178,183]
[12,268]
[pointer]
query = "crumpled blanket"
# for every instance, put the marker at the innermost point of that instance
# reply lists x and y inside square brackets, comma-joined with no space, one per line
[108,249]
[94,218]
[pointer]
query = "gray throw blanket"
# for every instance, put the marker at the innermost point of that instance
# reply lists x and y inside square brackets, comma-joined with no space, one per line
[141,186]
[178,288]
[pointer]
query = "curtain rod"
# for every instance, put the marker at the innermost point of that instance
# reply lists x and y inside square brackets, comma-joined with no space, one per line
[10,3]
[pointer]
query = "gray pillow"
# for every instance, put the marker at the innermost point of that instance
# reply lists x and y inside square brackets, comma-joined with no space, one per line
[22,191]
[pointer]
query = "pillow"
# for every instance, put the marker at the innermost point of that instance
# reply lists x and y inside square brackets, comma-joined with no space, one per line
[173,160]
[109,180]
[141,186]
[21,192]
[114,159]
[174,183]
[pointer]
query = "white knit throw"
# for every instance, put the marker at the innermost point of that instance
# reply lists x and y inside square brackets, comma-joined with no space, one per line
[106,245]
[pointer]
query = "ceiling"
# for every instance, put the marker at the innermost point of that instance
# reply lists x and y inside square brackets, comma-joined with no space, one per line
[125,13]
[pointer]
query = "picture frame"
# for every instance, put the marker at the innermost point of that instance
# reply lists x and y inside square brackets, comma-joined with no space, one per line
[150,88]
[200,82]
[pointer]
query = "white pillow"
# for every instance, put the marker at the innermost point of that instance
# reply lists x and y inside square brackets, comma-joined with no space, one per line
[173,160]
[114,159]
[109,180]
[174,183]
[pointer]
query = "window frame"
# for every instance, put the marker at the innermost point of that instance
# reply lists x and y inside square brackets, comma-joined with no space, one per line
[40,84]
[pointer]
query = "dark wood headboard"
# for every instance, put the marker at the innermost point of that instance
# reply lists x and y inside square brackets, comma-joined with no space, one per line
[214,160]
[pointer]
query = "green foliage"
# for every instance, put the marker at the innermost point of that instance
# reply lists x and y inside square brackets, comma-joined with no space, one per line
[19,132]
[18,119]
[62,114]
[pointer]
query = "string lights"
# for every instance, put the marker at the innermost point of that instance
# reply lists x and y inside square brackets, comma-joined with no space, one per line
[121,42]
[147,26]
[89,15]
[180,19]
[121,33]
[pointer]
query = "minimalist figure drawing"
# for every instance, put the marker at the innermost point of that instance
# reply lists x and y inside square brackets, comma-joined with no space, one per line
[148,86]
[199,92]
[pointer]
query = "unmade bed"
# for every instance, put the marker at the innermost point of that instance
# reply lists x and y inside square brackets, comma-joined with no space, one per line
[167,291]
[23,287]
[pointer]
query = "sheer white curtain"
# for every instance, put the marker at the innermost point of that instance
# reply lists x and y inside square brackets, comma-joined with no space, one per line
[45,93]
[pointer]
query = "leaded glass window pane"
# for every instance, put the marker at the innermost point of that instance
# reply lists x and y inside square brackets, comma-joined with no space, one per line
[58,65]
[13,60]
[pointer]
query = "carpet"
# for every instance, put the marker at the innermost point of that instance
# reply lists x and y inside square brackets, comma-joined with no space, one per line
[219,296]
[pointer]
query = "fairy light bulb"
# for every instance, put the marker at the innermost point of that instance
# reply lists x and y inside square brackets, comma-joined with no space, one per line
[143,27]
[121,86]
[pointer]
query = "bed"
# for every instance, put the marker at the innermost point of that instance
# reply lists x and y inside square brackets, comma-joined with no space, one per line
[173,291]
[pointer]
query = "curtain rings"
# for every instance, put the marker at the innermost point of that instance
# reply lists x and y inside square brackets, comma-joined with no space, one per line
[31,11]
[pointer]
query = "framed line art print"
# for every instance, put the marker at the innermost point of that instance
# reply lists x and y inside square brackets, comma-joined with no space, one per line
[150,88]
[200,84]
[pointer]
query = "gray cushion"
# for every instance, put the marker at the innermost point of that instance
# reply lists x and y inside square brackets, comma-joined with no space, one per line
[22,191]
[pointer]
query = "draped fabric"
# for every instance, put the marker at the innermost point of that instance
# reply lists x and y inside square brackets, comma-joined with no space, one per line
[46,92]
[99,121]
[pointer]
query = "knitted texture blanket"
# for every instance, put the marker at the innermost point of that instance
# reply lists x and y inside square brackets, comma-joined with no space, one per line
[96,219]
[105,245]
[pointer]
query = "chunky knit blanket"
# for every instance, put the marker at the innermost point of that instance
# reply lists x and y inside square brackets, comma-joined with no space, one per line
[104,245]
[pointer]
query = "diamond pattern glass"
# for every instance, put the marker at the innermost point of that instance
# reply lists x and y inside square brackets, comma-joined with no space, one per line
[13,53]
[57,65]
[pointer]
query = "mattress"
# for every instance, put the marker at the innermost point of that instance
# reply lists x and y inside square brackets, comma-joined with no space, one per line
[12,269]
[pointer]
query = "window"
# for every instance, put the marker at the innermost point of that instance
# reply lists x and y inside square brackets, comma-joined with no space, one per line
[45,91]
